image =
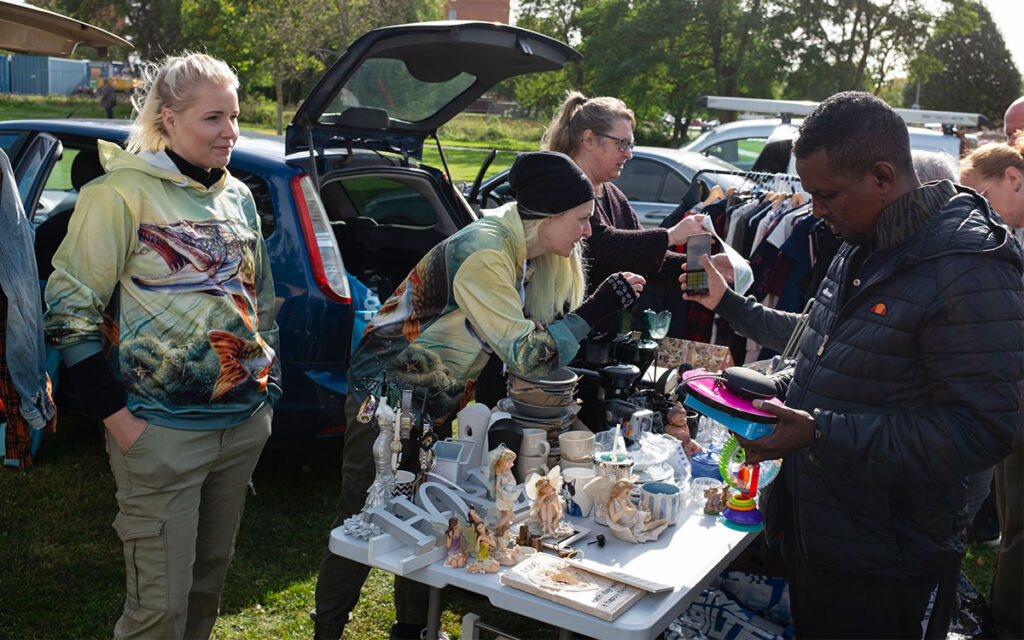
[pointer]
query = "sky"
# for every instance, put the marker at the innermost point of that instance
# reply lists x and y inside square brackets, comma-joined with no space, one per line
[1009,18]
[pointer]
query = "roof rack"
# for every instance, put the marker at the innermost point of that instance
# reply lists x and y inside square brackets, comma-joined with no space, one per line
[789,108]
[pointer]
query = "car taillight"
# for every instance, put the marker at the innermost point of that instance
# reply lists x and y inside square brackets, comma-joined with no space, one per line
[321,245]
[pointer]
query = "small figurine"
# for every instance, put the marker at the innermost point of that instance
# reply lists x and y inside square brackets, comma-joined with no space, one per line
[456,557]
[715,500]
[547,507]
[504,488]
[483,563]
[677,428]
[626,521]
[501,551]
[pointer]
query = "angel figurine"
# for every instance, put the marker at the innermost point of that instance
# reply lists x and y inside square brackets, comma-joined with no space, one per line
[626,521]
[504,488]
[483,563]
[456,557]
[547,507]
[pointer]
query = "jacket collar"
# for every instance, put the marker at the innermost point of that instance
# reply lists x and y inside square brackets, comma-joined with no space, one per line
[909,213]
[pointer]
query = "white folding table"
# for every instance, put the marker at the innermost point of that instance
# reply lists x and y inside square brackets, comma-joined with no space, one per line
[687,556]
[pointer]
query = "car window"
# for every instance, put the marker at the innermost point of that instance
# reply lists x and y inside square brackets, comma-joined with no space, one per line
[264,200]
[8,141]
[641,179]
[741,152]
[388,201]
[389,85]
[674,189]
[60,176]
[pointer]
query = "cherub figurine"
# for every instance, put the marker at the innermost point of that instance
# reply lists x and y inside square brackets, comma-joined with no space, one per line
[504,488]
[456,555]
[625,520]
[715,500]
[547,507]
[483,563]
[501,552]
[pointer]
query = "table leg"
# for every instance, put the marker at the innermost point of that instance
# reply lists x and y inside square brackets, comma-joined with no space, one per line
[434,613]
[564,634]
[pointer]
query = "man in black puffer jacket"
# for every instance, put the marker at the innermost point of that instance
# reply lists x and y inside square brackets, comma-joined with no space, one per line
[909,378]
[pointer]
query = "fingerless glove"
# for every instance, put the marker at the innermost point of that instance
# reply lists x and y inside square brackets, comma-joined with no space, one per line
[611,295]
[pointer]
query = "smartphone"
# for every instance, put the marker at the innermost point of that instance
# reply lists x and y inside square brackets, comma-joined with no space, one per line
[696,278]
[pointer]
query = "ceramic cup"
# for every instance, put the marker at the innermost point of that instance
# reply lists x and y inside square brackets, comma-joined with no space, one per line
[403,484]
[578,478]
[576,445]
[525,465]
[662,500]
[534,443]
[567,464]
[617,466]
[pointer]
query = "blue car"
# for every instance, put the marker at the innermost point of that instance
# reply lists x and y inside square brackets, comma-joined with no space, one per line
[343,196]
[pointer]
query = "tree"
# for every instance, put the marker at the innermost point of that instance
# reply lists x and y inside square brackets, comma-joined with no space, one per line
[852,44]
[275,42]
[965,67]
[153,26]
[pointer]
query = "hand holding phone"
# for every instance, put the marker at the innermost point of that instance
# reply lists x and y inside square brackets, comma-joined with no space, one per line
[696,277]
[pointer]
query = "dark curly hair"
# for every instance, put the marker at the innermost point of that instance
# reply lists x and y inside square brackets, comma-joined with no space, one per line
[856,130]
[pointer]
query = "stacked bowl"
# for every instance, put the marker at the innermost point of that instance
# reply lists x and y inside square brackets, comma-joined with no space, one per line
[547,402]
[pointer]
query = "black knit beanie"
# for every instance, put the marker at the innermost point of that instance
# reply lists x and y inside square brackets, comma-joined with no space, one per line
[547,183]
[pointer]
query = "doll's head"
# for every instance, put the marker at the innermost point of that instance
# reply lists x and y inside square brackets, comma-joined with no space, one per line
[543,486]
[621,487]
[504,461]
[453,524]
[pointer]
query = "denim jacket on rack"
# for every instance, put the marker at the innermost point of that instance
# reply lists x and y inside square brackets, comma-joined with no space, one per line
[25,353]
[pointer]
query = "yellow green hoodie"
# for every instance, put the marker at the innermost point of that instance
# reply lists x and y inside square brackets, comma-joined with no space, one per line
[172,279]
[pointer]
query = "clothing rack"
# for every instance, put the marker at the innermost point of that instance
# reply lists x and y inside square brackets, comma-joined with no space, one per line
[762,179]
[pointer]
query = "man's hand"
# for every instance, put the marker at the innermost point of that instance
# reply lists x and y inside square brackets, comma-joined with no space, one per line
[717,281]
[688,226]
[794,430]
[124,427]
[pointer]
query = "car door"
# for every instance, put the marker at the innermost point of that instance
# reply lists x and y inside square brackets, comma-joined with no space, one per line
[32,157]
[654,189]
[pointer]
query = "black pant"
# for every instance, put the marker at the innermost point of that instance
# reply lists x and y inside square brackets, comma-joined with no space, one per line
[827,604]
[341,579]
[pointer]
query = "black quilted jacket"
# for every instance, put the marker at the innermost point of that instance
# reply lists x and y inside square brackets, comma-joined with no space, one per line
[914,368]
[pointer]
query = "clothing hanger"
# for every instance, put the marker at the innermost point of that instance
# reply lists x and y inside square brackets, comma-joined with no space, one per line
[716,193]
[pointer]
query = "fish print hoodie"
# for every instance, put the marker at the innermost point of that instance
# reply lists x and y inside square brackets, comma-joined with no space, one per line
[172,280]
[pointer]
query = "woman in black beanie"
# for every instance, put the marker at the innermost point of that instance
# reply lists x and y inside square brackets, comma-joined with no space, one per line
[501,285]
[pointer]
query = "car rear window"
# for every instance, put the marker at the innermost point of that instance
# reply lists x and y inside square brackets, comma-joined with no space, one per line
[388,84]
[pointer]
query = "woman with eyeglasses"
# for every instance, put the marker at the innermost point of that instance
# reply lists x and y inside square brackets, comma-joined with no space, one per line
[996,171]
[598,134]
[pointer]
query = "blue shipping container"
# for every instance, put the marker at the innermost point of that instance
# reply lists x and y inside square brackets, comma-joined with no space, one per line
[5,74]
[40,75]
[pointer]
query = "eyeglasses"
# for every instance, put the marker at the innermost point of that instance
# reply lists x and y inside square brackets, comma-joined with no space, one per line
[623,143]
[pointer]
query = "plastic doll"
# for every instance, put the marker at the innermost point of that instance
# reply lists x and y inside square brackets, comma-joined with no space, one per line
[626,521]
[504,489]
[456,557]
[483,563]
[547,507]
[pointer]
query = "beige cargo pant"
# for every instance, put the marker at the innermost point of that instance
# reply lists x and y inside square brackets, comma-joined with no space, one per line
[180,495]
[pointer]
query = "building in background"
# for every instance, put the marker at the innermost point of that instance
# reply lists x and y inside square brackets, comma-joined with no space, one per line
[487,10]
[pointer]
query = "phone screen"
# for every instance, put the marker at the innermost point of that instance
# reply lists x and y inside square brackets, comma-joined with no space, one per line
[696,277]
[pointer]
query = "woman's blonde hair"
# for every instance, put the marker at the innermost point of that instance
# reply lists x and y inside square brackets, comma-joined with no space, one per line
[171,85]
[579,113]
[991,161]
[558,284]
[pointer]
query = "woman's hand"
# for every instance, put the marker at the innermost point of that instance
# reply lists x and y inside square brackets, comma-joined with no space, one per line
[124,427]
[688,226]
[635,281]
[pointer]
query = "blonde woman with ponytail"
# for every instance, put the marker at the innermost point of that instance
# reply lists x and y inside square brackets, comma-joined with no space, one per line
[162,306]
[511,284]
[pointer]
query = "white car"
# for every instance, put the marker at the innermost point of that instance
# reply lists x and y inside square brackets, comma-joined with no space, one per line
[740,142]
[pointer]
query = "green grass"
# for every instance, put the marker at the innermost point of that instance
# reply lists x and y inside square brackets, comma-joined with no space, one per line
[62,564]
